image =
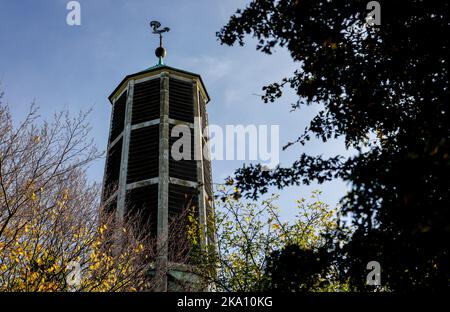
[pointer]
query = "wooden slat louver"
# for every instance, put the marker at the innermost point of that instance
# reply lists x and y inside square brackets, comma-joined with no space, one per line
[118,117]
[143,157]
[203,113]
[181,103]
[112,170]
[146,101]
[207,176]
[143,203]
[182,169]
[181,199]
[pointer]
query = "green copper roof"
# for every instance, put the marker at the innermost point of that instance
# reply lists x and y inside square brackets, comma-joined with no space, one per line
[158,66]
[162,65]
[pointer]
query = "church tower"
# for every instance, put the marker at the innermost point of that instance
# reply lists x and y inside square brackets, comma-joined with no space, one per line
[141,173]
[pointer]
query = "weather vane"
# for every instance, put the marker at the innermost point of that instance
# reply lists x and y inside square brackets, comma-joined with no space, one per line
[160,52]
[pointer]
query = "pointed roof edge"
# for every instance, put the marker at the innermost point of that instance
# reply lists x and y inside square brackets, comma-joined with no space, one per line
[155,68]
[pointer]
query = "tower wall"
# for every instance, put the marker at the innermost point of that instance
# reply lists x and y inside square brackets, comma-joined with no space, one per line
[140,172]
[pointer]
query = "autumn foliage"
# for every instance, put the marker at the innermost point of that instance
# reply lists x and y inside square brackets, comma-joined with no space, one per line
[51,234]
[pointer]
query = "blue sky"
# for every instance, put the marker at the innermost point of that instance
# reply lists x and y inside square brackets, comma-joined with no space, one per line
[77,67]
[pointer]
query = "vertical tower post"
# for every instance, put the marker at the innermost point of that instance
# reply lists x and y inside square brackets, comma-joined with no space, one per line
[122,187]
[163,189]
[198,154]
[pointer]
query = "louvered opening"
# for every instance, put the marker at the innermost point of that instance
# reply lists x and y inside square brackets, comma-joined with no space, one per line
[210,222]
[181,104]
[142,208]
[182,169]
[146,101]
[110,207]
[143,158]
[203,113]
[182,202]
[112,170]
[181,197]
[118,117]
[108,211]
[207,173]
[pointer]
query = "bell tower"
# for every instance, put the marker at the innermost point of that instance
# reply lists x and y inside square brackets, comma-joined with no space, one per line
[141,172]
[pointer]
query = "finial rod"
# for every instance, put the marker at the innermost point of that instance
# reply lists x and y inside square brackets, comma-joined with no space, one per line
[160,52]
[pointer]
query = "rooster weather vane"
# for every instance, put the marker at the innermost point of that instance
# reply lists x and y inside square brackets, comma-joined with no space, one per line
[160,52]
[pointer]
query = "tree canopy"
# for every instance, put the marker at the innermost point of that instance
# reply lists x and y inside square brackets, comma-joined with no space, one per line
[251,236]
[54,234]
[384,89]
